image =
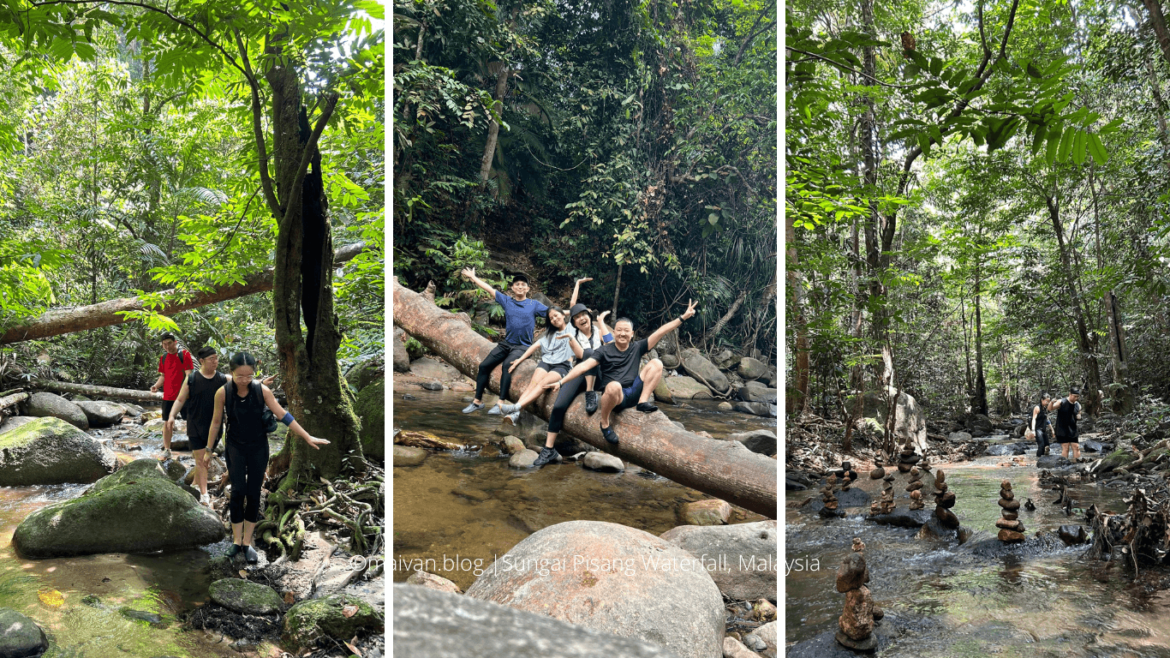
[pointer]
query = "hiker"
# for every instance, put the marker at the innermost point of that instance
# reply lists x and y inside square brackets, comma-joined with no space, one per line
[174,367]
[198,396]
[557,347]
[1040,424]
[519,324]
[624,384]
[1067,410]
[246,445]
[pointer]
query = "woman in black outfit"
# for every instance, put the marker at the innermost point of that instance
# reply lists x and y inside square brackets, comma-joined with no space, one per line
[1040,424]
[247,446]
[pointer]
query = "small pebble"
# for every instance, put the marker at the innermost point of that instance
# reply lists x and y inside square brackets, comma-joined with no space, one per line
[408,396]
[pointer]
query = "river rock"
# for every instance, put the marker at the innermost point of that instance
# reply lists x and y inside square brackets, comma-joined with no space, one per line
[1073,534]
[245,597]
[432,581]
[1051,461]
[1086,445]
[431,368]
[756,392]
[306,621]
[670,361]
[12,422]
[408,456]
[857,619]
[136,510]
[432,624]
[523,459]
[741,558]
[102,414]
[979,425]
[710,512]
[761,441]
[750,368]
[604,462]
[852,573]
[733,648]
[513,445]
[902,518]
[20,637]
[725,406]
[371,409]
[1117,459]
[54,406]
[704,371]
[662,392]
[909,420]
[685,388]
[51,451]
[768,634]
[959,437]
[763,409]
[401,357]
[1007,450]
[626,582]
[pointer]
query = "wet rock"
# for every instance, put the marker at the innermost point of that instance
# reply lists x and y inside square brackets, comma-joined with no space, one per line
[1034,546]
[852,573]
[1011,449]
[711,512]
[685,388]
[854,497]
[431,581]
[756,392]
[334,616]
[513,445]
[1086,446]
[523,459]
[52,451]
[792,485]
[704,371]
[135,510]
[604,462]
[959,437]
[371,409]
[49,405]
[759,441]
[174,469]
[433,385]
[662,392]
[1116,459]
[1051,461]
[741,558]
[763,409]
[947,518]
[655,591]
[768,633]
[902,518]
[754,642]
[434,369]
[877,473]
[431,624]
[1073,534]
[20,637]
[151,618]
[245,597]
[471,494]
[409,397]
[408,456]
[725,406]
[102,414]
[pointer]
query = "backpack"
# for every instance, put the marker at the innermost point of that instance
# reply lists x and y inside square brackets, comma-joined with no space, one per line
[255,393]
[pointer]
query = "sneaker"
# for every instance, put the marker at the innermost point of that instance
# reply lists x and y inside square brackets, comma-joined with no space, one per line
[609,434]
[166,454]
[513,418]
[474,406]
[646,407]
[234,551]
[494,411]
[205,500]
[546,455]
[251,555]
[590,402]
[508,409]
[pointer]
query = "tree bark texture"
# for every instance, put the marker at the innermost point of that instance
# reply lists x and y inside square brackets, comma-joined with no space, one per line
[102,392]
[980,405]
[797,400]
[9,400]
[724,469]
[105,314]
[489,149]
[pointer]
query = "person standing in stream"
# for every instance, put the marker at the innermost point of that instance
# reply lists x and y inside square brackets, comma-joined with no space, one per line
[174,367]
[1040,424]
[1067,410]
[624,384]
[198,394]
[247,445]
[520,315]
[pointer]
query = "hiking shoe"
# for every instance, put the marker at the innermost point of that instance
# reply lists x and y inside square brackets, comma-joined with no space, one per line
[251,555]
[494,411]
[513,418]
[234,551]
[546,455]
[646,407]
[507,409]
[474,406]
[609,435]
[205,500]
[166,454]
[590,402]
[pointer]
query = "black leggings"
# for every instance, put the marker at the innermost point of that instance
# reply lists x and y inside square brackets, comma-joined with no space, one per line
[504,353]
[246,465]
[556,420]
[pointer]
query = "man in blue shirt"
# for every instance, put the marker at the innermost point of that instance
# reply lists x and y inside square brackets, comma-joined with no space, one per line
[519,324]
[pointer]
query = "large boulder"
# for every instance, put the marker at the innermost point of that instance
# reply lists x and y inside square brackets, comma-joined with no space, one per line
[340,617]
[750,368]
[434,624]
[613,579]
[685,388]
[401,356]
[102,414]
[54,406]
[757,392]
[136,510]
[20,637]
[431,368]
[668,344]
[245,597]
[7,424]
[979,425]
[704,371]
[364,373]
[909,421]
[740,558]
[662,392]
[371,409]
[51,451]
[761,441]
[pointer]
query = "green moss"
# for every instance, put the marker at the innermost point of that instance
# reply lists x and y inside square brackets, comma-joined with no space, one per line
[1117,459]
[138,469]
[307,621]
[245,596]
[39,428]
[371,409]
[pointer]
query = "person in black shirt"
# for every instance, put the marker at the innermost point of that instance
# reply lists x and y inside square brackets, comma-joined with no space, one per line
[623,383]
[198,394]
[1040,424]
[1067,410]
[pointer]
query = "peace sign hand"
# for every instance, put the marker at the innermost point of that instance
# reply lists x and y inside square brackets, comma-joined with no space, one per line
[690,312]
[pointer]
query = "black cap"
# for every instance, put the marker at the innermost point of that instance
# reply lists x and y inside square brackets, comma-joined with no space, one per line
[167,336]
[578,308]
[1074,391]
[520,277]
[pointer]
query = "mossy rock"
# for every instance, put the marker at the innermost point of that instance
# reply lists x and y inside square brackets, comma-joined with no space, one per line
[245,597]
[52,451]
[308,621]
[365,373]
[371,409]
[137,510]
[1117,459]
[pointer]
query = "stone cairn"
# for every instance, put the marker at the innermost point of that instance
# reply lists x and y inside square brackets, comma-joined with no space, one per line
[944,500]
[857,619]
[1011,529]
[830,501]
[915,480]
[885,505]
[908,457]
[878,472]
[916,502]
[848,475]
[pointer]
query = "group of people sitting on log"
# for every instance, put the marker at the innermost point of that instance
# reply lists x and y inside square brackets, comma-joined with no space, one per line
[213,405]
[587,356]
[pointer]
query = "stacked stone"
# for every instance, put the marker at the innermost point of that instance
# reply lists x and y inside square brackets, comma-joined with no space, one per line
[915,480]
[1011,529]
[827,497]
[887,501]
[848,475]
[857,619]
[878,472]
[908,457]
[916,501]
[944,500]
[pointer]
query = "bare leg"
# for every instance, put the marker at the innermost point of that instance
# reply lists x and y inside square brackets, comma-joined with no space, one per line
[1064,450]
[589,382]
[552,438]
[200,472]
[651,374]
[166,437]
[248,528]
[536,386]
[1076,450]
[237,533]
[610,399]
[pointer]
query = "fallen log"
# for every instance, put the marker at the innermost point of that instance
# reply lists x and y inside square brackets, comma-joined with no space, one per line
[97,391]
[724,469]
[9,400]
[105,314]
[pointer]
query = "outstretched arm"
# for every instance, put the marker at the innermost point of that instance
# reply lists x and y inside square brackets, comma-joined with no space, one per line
[578,370]
[469,273]
[286,418]
[670,326]
[576,347]
[576,289]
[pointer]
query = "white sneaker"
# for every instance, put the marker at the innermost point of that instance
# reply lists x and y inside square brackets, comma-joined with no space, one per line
[166,454]
[205,500]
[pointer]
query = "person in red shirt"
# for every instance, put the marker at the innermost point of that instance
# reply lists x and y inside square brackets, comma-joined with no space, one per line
[173,368]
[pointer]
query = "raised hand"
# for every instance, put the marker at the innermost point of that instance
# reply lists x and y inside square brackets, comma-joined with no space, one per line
[602,316]
[468,273]
[584,280]
[690,310]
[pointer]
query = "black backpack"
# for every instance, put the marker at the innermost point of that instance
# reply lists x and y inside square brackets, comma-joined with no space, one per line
[256,394]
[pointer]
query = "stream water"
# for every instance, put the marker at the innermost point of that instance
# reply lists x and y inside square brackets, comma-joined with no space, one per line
[458,511]
[1058,604]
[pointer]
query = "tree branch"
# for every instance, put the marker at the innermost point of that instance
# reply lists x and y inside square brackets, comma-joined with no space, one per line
[258,134]
[311,147]
[846,68]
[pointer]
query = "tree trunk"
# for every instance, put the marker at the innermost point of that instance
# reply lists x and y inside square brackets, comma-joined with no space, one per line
[104,314]
[798,394]
[302,286]
[1158,22]
[1088,357]
[1121,393]
[729,314]
[720,468]
[489,149]
[613,314]
[98,391]
[979,404]
[9,400]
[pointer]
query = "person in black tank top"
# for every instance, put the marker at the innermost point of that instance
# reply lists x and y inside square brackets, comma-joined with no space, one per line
[1066,424]
[247,446]
[198,395]
[1040,424]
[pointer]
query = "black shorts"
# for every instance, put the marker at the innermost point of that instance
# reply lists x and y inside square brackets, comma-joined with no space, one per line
[166,409]
[631,394]
[561,368]
[198,435]
[1067,439]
